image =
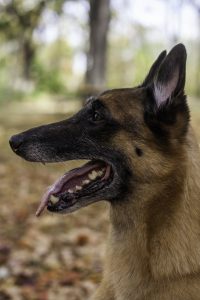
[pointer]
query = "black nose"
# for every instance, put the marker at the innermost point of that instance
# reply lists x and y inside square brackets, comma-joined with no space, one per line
[16,141]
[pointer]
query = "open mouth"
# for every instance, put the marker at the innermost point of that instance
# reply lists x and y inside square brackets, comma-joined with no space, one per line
[76,188]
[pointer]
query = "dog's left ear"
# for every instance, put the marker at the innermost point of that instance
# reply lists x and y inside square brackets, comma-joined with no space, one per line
[170,79]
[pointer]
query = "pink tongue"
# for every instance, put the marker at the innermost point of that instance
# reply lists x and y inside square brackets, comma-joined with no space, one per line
[57,186]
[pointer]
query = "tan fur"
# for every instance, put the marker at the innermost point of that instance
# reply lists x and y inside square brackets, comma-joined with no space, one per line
[153,249]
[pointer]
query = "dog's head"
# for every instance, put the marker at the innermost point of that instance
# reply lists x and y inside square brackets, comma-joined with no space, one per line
[130,136]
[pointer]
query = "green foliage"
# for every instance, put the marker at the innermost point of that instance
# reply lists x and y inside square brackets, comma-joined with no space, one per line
[47,80]
[128,64]
[18,21]
[51,64]
[52,68]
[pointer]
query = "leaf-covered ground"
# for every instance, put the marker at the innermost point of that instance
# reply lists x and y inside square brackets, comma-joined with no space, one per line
[54,256]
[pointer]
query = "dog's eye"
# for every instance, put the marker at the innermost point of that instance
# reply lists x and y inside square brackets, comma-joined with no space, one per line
[96,117]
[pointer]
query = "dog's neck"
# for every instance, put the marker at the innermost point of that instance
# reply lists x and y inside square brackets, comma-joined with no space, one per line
[163,222]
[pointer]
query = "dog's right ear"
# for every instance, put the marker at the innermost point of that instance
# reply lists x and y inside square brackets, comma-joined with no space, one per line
[169,83]
[154,69]
[166,107]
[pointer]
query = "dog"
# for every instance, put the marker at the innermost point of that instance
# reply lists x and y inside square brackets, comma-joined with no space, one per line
[144,160]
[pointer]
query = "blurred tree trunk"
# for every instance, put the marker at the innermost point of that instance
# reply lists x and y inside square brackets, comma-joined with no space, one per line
[28,54]
[198,59]
[196,5]
[99,19]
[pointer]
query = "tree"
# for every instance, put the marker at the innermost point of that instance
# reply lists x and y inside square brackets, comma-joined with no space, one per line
[196,5]
[17,24]
[18,21]
[99,19]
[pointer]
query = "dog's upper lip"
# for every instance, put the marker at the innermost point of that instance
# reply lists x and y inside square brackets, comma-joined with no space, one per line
[64,181]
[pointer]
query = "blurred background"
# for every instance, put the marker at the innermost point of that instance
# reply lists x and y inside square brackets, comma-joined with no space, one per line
[53,54]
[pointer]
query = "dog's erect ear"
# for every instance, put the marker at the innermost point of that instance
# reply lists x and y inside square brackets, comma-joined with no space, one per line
[166,109]
[154,70]
[170,79]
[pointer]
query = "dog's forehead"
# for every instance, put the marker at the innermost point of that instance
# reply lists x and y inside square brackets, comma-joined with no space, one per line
[128,100]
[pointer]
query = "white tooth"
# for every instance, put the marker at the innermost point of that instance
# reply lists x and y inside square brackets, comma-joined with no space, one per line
[93,175]
[78,188]
[100,173]
[70,191]
[85,181]
[54,199]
